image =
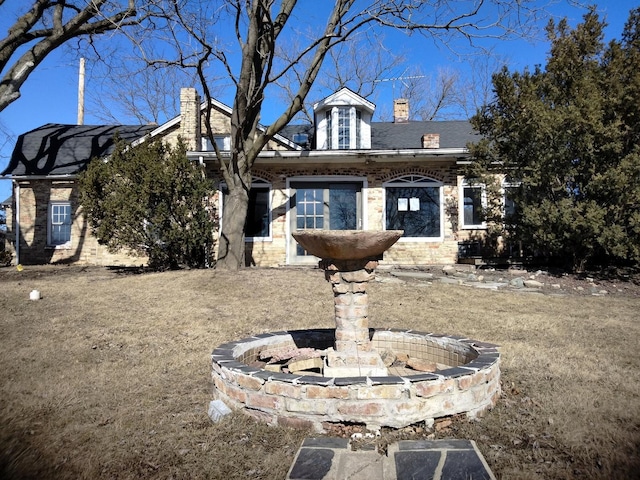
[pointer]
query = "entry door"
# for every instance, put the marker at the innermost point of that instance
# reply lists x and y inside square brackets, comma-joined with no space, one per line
[323,206]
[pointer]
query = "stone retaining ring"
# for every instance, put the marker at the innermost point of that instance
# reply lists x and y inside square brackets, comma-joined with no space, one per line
[469,385]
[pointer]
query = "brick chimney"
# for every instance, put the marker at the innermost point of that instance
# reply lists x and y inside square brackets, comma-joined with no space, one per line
[190,118]
[431,140]
[400,110]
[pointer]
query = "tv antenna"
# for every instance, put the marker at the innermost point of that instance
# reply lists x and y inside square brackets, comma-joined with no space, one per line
[401,78]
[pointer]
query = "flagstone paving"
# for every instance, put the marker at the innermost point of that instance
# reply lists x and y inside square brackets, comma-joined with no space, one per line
[330,458]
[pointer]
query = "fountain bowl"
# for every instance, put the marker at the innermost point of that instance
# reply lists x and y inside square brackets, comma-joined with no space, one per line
[347,244]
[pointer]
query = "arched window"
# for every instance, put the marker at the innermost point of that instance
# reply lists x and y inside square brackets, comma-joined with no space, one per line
[413,203]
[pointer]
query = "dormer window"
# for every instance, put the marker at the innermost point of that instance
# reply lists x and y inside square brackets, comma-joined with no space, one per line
[343,121]
[343,127]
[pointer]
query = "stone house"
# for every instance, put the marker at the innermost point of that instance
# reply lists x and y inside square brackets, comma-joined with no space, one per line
[345,171]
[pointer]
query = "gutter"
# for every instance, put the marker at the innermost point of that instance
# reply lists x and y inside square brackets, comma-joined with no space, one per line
[68,176]
[341,156]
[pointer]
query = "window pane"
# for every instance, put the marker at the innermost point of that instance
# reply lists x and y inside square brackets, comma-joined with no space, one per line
[344,136]
[257,224]
[419,212]
[60,224]
[309,208]
[358,129]
[509,204]
[472,206]
[343,207]
[329,130]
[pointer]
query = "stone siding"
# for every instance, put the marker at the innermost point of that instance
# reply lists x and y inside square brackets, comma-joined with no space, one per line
[272,252]
[35,197]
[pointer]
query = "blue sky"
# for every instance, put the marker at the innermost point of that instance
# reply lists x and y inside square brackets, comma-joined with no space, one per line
[50,93]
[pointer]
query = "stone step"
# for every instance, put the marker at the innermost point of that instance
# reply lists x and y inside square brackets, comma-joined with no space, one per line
[330,458]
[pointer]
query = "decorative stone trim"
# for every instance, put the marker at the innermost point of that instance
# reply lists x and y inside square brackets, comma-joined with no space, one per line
[471,385]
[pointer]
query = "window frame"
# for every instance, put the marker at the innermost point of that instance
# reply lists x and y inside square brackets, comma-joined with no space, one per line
[51,241]
[415,181]
[223,142]
[483,205]
[256,182]
[507,184]
[343,126]
[294,182]
[345,132]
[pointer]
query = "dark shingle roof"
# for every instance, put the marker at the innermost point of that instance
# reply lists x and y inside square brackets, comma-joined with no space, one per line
[56,149]
[398,136]
[289,131]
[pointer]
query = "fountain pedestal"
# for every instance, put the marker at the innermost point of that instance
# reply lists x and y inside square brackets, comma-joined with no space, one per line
[349,258]
[353,355]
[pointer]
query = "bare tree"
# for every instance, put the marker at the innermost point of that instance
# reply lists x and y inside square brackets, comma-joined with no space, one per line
[345,66]
[147,96]
[46,26]
[477,88]
[196,29]
[430,97]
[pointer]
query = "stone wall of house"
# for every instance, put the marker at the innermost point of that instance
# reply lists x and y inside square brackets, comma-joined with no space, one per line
[406,252]
[35,197]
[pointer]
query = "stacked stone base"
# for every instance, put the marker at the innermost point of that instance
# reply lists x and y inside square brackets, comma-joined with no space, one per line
[470,386]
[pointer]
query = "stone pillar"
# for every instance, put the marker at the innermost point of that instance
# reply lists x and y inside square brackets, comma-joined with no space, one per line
[353,354]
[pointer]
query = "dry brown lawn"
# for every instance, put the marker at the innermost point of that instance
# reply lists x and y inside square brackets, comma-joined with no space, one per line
[108,376]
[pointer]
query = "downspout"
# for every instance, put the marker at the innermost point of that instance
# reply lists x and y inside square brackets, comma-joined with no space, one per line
[17,224]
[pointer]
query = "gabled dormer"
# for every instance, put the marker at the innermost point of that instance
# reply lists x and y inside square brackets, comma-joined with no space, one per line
[343,121]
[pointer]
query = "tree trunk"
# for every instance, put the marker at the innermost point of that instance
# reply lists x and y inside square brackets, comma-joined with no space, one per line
[231,241]
[237,175]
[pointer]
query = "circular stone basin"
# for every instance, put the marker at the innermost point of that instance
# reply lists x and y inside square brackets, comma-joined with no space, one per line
[466,381]
[347,244]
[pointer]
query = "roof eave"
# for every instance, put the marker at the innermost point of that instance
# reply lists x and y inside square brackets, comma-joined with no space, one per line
[68,176]
[344,156]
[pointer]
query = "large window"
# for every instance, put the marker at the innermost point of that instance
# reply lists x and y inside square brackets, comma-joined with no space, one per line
[413,203]
[473,201]
[321,205]
[59,224]
[258,222]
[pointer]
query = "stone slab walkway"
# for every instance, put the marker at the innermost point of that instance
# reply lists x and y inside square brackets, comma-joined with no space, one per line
[328,458]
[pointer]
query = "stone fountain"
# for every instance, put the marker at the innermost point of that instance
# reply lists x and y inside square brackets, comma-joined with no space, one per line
[317,377]
[349,258]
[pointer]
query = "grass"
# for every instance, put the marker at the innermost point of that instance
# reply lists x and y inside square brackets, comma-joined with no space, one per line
[108,376]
